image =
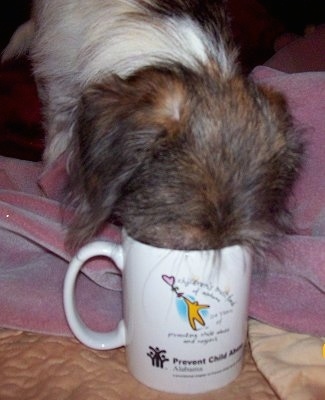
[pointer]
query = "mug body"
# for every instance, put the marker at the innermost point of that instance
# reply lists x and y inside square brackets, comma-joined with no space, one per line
[185,315]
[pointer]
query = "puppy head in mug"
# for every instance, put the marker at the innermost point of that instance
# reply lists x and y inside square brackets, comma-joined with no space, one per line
[183,159]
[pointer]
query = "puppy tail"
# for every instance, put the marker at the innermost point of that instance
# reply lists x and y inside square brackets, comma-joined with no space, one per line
[20,42]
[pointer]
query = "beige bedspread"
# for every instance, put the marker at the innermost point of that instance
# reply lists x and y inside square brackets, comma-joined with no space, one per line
[37,367]
[278,365]
[294,364]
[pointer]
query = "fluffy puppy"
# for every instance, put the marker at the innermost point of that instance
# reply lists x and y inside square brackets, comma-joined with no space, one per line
[163,131]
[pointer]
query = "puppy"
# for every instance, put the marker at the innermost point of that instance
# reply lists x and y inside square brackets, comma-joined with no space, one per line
[162,130]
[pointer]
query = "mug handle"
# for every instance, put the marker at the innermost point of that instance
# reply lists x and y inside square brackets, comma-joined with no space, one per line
[93,339]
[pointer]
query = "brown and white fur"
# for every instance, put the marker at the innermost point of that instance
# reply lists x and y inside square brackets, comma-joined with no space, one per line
[163,131]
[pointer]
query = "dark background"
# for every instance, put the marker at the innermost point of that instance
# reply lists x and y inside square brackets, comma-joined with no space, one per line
[256,22]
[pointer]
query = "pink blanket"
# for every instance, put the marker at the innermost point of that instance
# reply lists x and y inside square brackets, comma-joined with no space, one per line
[33,259]
[287,291]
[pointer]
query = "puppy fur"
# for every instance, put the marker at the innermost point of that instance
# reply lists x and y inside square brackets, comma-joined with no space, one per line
[162,130]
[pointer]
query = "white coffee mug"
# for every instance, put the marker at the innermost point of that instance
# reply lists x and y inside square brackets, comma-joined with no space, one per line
[185,313]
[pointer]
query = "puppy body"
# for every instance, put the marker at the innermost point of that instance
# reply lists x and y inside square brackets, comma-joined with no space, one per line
[164,131]
[77,43]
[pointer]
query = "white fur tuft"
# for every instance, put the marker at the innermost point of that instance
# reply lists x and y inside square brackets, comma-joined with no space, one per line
[20,42]
[135,45]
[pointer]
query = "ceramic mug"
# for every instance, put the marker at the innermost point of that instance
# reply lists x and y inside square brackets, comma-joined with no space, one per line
[184,313]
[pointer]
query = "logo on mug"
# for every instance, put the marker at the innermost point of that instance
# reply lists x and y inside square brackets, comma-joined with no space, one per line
[193,309]
[158,357]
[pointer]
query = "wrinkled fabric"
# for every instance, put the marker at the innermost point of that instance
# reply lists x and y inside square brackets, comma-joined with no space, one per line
[288,290]
[33,258]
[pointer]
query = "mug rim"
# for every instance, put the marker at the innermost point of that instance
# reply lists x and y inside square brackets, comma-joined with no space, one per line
[126,236]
